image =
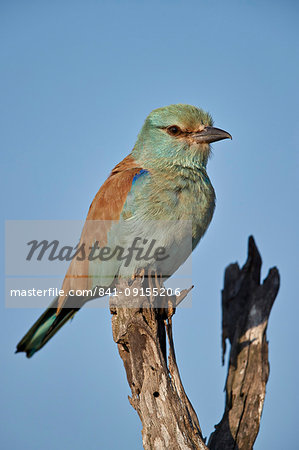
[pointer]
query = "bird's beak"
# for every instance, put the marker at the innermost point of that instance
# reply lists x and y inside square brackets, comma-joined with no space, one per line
[210,134]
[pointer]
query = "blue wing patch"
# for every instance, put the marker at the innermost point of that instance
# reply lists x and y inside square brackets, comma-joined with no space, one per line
[135,192]
[142,171]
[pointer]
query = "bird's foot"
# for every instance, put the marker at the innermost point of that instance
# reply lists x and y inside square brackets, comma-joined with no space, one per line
[139,274]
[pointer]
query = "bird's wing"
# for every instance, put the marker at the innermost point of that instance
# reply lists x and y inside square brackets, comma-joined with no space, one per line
[104,211]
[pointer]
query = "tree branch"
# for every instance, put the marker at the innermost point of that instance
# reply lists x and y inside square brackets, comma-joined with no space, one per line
[168,418]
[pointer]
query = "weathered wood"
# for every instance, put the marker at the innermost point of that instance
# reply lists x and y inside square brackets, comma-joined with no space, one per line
[168,418]
[140,330]
[246,306]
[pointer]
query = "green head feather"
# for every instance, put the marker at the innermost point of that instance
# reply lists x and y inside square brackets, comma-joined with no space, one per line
[157,147]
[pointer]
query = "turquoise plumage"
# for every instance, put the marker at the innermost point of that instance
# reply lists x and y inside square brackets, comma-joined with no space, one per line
[162,181]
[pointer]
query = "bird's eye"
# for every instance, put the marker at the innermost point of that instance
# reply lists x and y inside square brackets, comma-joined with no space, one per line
[174,130]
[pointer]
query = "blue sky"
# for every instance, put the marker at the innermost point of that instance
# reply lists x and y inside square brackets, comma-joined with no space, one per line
[77,81]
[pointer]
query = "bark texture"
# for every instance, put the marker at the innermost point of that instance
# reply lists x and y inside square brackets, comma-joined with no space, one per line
[168,418]
[140,330]
[246,306]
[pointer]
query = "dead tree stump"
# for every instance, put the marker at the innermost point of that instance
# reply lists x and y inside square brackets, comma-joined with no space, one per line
[140,330]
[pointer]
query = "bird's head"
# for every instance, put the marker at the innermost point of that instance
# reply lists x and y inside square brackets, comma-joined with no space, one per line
[177,134]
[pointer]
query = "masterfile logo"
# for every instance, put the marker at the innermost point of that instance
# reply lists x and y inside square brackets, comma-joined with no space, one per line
[39,254]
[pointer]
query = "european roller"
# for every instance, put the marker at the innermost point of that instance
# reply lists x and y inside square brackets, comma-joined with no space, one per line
[163,180]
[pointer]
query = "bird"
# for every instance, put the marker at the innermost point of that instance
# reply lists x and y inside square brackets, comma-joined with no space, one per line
[162,181]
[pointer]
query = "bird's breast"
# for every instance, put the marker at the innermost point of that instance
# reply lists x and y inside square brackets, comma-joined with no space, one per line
[184,198]
[171,211]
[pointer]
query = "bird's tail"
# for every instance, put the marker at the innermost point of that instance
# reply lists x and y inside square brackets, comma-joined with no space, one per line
[44,328]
